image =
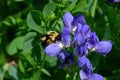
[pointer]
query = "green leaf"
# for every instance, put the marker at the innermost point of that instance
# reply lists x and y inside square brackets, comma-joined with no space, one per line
[29,58]
[18,0]
[46,72]
[52,61]
[21,66]
[27,45]
[113,17]
[2,58]
[10,20]
[36,75]
[84,8]
[33,18]
[13,72]
[71,6]
[49,8]
[16,44]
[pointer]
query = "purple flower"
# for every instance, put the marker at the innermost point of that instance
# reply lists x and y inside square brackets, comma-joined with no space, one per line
[93,40]
[68,20]
[71,24]
[81,50]
[77,39]
[65,59]
[79,19]
[54,49]
[69,27]
[82,33]
[77,35]
[66,34]
[102,47]
[84,62]
[87,74]
[114,0]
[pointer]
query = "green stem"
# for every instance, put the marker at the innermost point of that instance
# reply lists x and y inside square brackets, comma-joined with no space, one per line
[2,75]
[94,8]
[42,64]
[75,69]
[75,75]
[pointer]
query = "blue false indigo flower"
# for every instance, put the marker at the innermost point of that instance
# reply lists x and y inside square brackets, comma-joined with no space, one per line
[102,47]
[79,19]
[68,20]
[93,40]
[76,34]
[66,34]
[81,50]
[84,62]
[86,31]
[87,74]
[54,49]
[65,59]
[77,39]
[70,25]
[81,35]
[114,0]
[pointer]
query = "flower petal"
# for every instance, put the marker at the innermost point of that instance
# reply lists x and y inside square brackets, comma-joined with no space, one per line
[81,61]
[83,50]
[53,49]
[80,19]
[93,40]
[62,56]
[114,0]
[66,30]
[103,47]
[66,36]
[80,39]
[85,74]
[84,61]
[79,28]
[77,39]
[96,77]
[65,59]
[68,19]
[86,31]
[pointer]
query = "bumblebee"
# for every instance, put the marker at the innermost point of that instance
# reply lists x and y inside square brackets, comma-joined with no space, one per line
[50,37]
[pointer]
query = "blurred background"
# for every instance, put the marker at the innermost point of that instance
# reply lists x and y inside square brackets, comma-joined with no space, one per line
[23,21]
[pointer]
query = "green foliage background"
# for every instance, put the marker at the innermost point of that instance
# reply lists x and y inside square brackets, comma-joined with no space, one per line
[22,22]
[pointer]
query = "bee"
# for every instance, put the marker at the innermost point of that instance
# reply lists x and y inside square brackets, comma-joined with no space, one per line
[50,37]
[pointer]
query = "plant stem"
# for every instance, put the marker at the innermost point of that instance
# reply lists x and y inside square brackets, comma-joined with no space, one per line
[94,8]
[42,64]
[75,75]
[2,75]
